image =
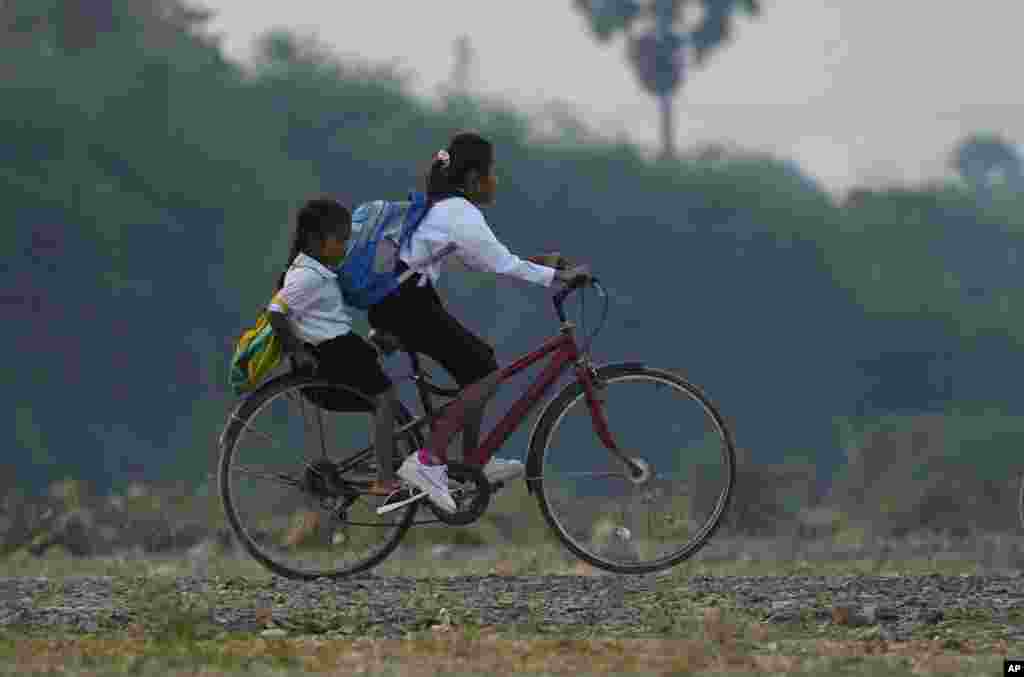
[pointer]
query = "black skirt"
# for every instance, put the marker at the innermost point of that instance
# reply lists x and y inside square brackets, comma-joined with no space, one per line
[351,361]
[419,319]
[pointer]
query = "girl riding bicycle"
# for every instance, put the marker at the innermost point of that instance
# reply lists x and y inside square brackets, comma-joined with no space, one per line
[460,181]
[309,316]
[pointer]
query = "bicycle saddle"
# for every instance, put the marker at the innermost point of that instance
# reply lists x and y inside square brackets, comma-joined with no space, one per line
[386,343]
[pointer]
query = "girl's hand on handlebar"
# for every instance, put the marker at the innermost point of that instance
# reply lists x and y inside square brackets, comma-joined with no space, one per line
[574,276]
[551,260]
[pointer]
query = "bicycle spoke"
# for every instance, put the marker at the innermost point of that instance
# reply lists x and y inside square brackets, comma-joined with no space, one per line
[323,437]
[400,432]
[613,518]
[414,424]
[375,525]
[272,440]
[302,411]
[281,478]
[603,475]
[308,464]
[286,517]
[248,428]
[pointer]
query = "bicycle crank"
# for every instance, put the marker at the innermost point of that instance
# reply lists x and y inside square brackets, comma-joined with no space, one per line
[471,491]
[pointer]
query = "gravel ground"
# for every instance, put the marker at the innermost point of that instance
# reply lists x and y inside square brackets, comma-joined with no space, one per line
[391,605]
[898,604]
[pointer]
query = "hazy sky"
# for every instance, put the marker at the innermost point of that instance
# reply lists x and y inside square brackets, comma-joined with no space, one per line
[854,90]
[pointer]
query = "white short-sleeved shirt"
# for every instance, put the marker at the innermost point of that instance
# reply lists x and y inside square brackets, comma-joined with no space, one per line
[311,298]
[460,221]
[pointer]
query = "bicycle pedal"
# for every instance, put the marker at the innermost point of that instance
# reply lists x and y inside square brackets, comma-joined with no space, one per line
[389,507]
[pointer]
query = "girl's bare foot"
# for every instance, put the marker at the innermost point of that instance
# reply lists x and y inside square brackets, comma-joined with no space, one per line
[379,488]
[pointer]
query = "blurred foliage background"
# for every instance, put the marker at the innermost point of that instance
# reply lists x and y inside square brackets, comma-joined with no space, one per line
[147,186]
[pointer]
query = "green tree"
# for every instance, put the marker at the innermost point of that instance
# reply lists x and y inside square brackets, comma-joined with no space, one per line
[147,187]
[658,52]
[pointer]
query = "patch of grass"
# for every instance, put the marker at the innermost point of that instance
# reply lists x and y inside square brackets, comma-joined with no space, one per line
[505,560]
[57,564]
[681,632]
[539,556]
[444,652]
[138,655]
[672,611]
[858,567]
[438,610]
[965,627]
[332,618]
[165,614]
[52,594]
[534,626]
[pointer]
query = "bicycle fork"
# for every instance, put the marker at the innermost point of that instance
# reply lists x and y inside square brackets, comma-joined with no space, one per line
[593,388]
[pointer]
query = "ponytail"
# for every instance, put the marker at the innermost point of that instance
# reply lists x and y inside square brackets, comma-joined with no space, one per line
[296,248]
[438,181]
[449,169]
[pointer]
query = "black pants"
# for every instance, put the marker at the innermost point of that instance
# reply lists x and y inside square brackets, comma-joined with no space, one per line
[418,318]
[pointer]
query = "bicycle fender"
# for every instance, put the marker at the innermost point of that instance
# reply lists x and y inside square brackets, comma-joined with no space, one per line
[624,365]
[533,459]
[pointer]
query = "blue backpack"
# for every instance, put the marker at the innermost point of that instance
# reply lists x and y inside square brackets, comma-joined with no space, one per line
[379,230]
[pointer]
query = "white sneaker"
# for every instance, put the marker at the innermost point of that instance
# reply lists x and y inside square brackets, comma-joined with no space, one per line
[503,470]
[432,479]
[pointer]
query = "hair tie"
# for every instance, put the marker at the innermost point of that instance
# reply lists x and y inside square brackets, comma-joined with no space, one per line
[443,157]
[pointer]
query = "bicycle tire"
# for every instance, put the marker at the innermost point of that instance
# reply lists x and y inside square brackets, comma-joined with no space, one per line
[540,441]
[241,415]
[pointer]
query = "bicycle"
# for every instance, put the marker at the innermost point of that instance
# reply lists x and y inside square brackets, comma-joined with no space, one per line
[336,486]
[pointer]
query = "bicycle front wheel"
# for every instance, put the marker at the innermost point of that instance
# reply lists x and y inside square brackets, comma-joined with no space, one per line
[596,507]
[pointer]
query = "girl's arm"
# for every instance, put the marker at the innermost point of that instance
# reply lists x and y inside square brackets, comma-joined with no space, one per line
[292,297]
[481,250]
[289,341]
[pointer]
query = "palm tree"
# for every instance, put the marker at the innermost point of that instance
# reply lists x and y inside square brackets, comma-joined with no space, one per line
[981,158]
[658,52]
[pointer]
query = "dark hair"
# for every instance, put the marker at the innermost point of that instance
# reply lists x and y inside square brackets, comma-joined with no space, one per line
[467,151]
[315,221]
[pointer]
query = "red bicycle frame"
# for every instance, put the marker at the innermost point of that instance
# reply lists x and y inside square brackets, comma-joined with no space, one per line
[563,351]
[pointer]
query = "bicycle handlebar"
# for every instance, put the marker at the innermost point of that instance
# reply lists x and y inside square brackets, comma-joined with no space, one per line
[580,282]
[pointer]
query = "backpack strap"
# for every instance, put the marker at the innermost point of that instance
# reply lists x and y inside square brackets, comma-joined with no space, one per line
[419,201]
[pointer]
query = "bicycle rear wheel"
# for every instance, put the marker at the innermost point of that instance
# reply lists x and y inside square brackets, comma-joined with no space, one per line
[605,516]
[293,476]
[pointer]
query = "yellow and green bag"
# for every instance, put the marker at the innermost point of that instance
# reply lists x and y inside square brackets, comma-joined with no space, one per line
[257,353]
